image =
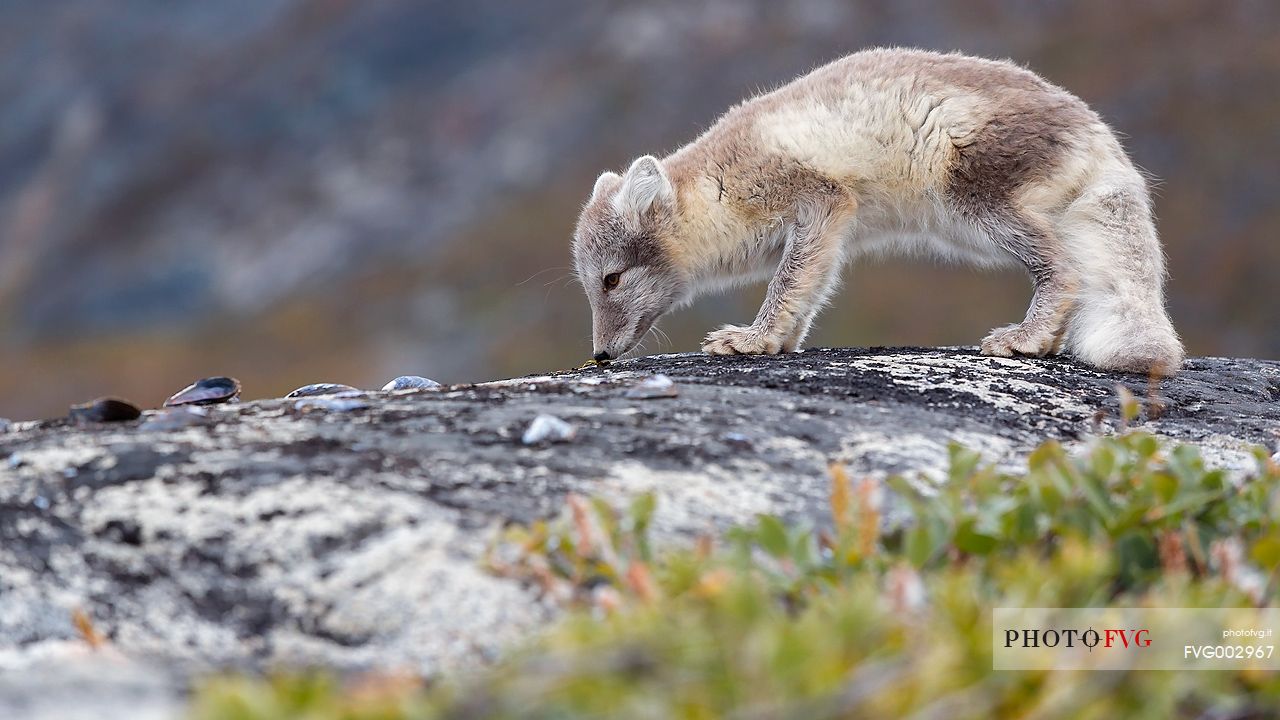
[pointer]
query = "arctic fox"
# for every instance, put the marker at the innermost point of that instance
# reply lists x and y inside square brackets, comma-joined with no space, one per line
[892,150]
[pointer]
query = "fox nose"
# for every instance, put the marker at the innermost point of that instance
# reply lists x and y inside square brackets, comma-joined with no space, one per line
[601,356]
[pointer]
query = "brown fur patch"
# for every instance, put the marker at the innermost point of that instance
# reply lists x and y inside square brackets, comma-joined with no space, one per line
[1033,126]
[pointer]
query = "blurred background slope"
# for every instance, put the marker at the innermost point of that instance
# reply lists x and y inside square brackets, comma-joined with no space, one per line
[293,191]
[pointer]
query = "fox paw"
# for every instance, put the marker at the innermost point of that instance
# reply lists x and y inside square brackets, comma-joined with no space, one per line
[738,340]
[1013,340]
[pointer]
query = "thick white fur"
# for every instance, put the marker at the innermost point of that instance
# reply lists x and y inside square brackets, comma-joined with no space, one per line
[644,184]
[888,141]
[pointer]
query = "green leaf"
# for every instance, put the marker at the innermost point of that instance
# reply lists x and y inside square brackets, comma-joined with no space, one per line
[1103,462]
[1185,463]
[1146,445]
[971,540]
[1266,552]
[1136,553]
[1164,485]
[642,507]
[802,550]
[1021,526]
[1043,455]
[1191,501]
[925,538]
[963,462]
[1095,494]
[607,517]
[772,536]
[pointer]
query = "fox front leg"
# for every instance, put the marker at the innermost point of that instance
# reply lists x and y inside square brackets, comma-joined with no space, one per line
[801,285]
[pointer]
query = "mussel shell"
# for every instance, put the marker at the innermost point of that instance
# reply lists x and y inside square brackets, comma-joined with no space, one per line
[207,391]
[105,410]
[316,389]
[410,382]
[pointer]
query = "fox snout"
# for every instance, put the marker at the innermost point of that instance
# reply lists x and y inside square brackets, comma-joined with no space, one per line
[612,339]
[615,332]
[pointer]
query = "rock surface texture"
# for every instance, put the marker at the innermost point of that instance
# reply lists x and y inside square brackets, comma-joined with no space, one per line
[350,535]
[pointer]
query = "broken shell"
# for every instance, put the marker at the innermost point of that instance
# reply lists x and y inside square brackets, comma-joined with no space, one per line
[410,382]
[207,391]
[4,424]
[654,386]
[176,418]
[104,410]
[548,428]
[318,389]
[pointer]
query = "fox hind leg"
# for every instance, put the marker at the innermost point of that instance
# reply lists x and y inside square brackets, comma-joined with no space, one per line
[1041,331]
[1120,322]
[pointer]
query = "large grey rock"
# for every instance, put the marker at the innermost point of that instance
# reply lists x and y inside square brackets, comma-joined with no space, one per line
[276,533]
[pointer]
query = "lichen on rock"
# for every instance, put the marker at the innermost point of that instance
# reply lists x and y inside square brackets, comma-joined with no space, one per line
[264,535]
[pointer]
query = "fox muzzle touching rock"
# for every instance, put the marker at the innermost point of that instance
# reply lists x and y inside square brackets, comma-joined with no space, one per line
[903,151]
[621,256]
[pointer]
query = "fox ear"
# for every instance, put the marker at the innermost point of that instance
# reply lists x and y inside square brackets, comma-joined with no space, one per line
[645,184]
[606,180]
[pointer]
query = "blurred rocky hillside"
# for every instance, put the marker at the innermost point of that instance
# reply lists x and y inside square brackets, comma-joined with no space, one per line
[292,191]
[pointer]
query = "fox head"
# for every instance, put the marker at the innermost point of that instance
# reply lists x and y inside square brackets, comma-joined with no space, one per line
[622,255]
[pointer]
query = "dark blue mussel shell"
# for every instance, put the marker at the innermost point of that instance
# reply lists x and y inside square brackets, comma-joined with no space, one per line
[104,410]
[208,391]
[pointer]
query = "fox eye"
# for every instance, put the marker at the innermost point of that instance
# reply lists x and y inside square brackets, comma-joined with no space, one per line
[611,280]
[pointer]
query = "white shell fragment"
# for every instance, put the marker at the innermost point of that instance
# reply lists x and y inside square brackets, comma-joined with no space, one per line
[654,386]
[548,428]
[410,382]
